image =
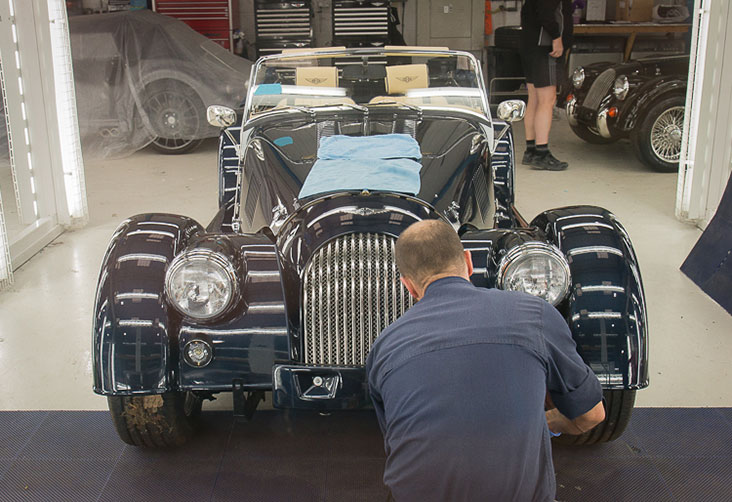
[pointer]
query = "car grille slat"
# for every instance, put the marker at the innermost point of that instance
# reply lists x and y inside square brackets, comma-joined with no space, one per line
[599,89]
[351,292]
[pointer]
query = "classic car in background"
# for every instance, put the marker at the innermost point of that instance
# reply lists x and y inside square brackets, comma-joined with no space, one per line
[288,286]
[643,100]
[143,77]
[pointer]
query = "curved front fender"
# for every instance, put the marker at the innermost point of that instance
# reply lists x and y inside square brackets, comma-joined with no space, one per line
[644,97]
[606,308]
[131,344]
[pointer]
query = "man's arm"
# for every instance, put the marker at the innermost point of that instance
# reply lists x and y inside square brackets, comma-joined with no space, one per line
[571,385]
[579,425]
[546,13]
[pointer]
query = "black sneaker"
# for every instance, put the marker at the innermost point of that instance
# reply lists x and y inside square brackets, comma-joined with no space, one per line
[548,162]
[528,157]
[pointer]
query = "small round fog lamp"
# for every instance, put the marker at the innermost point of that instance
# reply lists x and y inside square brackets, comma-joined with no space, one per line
[197,353]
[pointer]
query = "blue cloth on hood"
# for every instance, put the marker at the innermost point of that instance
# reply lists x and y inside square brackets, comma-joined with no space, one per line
[385,162]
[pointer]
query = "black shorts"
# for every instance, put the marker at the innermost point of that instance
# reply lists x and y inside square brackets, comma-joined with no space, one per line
[540,68]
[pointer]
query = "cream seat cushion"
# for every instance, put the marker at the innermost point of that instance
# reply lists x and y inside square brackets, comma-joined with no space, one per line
[317,76]
[399,78]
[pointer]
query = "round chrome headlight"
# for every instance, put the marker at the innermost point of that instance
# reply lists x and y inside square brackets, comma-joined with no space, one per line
[535,268]
[201,283]
[578,77]
[621,87]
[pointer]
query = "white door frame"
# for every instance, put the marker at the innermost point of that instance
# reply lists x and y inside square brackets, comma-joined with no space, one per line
[40,112]
[705,163]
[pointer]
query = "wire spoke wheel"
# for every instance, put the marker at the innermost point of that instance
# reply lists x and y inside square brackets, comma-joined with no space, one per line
[666,133]
[657,135]
[175,113]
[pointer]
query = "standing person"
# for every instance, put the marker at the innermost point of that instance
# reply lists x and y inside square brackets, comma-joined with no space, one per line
[545,27]
[459,382]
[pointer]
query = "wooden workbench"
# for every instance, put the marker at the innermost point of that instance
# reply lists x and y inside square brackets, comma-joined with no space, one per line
[629,29]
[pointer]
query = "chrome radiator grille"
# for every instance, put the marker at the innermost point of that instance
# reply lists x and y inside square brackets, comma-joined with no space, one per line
[599,89]
[351,291]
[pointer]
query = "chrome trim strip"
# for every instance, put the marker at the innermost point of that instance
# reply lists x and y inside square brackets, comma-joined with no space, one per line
[595,249]
[587,225]
[142,257]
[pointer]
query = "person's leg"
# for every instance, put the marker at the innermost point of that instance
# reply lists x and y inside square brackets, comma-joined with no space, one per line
[529,120]
[546,93]
[529,116]
[546,98]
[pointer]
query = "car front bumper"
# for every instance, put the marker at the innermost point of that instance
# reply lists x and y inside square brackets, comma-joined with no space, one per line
[597,121]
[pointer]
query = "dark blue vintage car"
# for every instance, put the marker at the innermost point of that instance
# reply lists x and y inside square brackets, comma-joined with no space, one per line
[291,282]
[643,100]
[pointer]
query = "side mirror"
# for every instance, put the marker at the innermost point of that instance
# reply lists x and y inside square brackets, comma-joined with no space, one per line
[221,116]
[511,110]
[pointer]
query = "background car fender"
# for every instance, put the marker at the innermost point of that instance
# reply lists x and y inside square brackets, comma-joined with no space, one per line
[606,309]
[131,349]
[642,98]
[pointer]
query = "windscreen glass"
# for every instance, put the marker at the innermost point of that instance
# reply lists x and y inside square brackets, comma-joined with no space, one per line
[369,78]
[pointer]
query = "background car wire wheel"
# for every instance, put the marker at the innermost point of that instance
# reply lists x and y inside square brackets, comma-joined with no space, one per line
[657,139]
[618,408]
[160,420]
[587,135]
[176,113]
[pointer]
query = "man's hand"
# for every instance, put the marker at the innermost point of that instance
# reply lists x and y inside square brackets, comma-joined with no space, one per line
[557,48]
[583,423]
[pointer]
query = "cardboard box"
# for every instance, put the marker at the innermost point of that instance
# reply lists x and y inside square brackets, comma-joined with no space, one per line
[636,11]
[595,10]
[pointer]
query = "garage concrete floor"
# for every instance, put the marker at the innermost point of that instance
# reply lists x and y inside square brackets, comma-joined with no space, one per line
[45,318]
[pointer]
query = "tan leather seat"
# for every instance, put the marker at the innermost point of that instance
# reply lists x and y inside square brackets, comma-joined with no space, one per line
[317,76]
[399,78]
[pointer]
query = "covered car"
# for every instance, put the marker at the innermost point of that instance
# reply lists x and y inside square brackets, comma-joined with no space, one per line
[288,286]
[143,78]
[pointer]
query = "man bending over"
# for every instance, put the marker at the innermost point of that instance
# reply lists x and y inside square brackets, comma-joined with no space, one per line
[459,382]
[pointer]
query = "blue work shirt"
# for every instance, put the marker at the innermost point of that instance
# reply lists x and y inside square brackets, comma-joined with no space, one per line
[459,384]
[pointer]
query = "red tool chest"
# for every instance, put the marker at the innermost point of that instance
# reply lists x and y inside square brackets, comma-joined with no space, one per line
[215,19]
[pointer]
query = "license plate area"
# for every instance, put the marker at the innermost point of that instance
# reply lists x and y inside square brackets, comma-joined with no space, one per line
[319,387]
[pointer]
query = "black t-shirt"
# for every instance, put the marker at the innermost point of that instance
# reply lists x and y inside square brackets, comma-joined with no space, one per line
[554,17]
[459,384]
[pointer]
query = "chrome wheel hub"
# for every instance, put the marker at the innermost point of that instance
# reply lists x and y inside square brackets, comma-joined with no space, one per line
[170,119]
[666,134]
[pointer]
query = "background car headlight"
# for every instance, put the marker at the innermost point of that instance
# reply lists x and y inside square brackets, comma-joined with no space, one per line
[201,283]
[535,268]
[578,77]
[621,87]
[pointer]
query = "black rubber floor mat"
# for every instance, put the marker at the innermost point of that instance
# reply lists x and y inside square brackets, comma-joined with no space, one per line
[667,454]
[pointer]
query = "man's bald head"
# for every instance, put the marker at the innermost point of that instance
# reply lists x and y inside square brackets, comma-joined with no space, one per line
[429,248]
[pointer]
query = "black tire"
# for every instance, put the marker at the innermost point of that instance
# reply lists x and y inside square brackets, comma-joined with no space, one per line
[619,407]
[176,114]
[585,134]
[507,37]
[657,136]
[161,420]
